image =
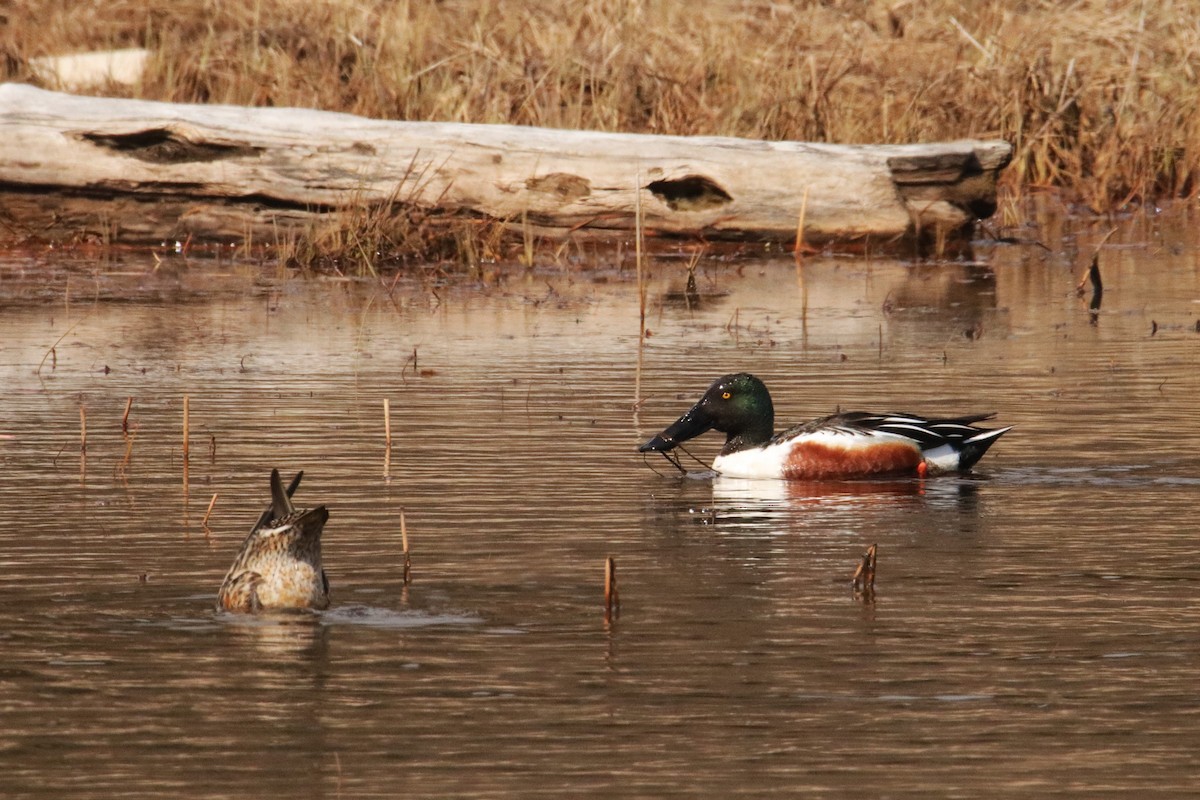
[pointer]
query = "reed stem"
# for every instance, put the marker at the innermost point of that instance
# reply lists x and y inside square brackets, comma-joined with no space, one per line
[404,544]
[864,576]
[612,598]
[208,513]
[186,425]
[798,252]
[387,423]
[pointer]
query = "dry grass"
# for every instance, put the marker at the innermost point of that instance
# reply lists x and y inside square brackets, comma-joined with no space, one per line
[1099,97]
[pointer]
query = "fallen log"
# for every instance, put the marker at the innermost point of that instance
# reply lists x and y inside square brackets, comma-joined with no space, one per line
[139,171]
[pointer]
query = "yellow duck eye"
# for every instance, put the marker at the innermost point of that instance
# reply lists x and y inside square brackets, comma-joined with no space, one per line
[725,395]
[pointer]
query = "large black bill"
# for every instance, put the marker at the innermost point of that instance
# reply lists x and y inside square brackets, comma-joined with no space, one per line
[689,426]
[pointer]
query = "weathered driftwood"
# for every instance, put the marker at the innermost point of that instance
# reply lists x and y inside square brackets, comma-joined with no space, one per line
[138,171]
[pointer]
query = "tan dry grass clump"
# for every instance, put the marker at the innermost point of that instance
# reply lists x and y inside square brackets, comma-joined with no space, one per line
[1099,97]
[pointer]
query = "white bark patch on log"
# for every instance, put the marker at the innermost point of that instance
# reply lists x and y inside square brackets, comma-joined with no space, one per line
[79,71]
[223,171]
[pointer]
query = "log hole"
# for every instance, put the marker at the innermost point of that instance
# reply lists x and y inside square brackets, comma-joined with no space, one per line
[164,146]
[690,193]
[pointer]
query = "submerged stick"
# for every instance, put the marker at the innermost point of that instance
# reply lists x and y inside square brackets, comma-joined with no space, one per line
[125,417]
[208,513]
[82,429]
[404,544]
[612,598]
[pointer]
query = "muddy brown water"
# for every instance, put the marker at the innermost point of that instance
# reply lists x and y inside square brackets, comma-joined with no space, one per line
[1034,629]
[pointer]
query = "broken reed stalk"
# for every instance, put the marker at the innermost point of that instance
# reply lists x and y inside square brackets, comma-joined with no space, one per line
[125,417]
[404,544]
[208,513]
[798,252]
[82,429]
[864,576]
[387,423]
[637,249]
[612,598]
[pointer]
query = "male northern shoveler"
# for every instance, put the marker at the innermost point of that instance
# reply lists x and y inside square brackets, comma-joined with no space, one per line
[854,444]
[279,565]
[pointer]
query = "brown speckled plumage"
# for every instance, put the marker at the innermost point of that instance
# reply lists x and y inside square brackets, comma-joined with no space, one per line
[279,565]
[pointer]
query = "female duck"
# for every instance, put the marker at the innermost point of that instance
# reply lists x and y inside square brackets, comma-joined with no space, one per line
[854,444]
[279,565]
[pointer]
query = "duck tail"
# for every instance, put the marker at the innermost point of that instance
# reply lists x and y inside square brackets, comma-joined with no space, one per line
[281,499]
[971,450]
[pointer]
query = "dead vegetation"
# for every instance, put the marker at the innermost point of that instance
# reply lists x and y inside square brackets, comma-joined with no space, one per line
[1097,96]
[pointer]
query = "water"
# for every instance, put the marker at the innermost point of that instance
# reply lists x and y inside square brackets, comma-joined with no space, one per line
[1033,630]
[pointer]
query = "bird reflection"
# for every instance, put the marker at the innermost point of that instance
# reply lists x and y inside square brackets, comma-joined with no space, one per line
[754,503]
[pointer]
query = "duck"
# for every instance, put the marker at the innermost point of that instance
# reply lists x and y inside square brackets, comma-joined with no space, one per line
[279,564]
[846,445]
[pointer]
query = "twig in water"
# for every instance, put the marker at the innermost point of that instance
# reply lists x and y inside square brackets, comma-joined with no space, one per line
[125,417]
[864,576]
[208,513]
[675,460]
[691,456]
[82,429]
[51,352]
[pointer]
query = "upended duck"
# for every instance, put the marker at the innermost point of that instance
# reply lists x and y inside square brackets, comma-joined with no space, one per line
[853,444]
[279,565]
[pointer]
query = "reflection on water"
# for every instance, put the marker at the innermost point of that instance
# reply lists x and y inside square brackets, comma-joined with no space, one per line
[1028,622]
